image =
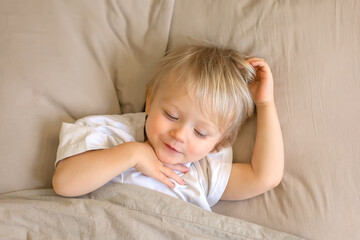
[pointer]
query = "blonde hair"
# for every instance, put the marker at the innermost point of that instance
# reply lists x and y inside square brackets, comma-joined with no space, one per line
[216,78]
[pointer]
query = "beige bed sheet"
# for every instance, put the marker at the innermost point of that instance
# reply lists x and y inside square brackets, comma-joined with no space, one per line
[62,60]
[313,48]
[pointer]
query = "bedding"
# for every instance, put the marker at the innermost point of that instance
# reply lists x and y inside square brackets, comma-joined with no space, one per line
[313,49]
[118,211]
[61,60]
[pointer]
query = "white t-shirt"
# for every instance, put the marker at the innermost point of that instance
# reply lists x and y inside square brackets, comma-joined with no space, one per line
[205,181]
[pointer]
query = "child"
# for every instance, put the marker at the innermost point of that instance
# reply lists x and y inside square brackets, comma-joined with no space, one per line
[196,101]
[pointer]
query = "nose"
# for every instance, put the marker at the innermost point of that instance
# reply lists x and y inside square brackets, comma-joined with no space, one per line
[179,133]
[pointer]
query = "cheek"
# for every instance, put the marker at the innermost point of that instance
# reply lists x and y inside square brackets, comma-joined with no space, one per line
[200,149]
[154,125]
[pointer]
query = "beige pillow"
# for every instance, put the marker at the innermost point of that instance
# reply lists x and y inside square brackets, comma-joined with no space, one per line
[62,60]
[313,50]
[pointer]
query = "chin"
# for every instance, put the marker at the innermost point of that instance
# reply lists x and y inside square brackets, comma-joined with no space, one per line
[167,159]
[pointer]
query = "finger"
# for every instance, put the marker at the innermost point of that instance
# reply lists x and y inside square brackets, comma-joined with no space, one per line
[261,67]
[254,59]
[165,180]
[251,59]
[178,167]
[260,64]
[171,174]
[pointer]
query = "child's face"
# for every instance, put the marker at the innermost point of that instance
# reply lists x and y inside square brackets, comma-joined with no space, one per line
[177,129]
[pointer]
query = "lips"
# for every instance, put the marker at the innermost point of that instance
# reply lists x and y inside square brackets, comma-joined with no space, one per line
[172,149]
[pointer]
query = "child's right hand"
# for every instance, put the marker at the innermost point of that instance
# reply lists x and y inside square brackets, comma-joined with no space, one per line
[148,163]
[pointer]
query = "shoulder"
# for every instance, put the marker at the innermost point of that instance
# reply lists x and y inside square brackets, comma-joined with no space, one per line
[129,125]
[99,132]
[128,119]
[225,155]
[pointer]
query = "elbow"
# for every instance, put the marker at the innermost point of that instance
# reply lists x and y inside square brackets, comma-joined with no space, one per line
[274,178]
[272,181]
[63,182]
[277,180]
[60,186]
[279,176]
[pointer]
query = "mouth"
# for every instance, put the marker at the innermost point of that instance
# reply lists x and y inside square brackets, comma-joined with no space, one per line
[172,149]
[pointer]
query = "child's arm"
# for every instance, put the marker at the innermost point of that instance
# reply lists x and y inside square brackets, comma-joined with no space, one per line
[85,172]
[266,168]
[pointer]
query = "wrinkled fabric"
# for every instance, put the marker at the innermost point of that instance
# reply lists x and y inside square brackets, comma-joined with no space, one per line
[118,211]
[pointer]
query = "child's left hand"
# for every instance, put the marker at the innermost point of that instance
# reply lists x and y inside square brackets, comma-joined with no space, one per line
[267,163]
[262,88]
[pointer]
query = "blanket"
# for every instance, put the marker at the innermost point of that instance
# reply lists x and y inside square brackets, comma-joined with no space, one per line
[118,211]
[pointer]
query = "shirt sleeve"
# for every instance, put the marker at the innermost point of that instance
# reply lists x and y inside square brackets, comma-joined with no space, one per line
[93,133]
[218,171]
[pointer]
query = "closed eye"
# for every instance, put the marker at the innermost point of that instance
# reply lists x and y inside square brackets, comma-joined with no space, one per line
[200,134]
[169,116]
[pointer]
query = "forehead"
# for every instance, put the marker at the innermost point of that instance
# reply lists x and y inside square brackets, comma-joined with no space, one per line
[177,97]
[184,101]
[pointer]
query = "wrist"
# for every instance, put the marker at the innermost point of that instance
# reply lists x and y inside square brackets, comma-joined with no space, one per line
[270,103]
[264,108]
[127,151]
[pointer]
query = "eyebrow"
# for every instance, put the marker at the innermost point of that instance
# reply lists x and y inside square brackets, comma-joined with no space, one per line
[210,126]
